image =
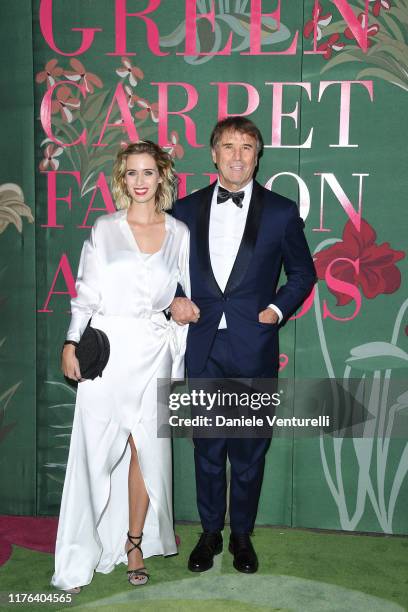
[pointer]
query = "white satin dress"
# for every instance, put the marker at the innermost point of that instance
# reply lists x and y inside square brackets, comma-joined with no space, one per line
[125,292]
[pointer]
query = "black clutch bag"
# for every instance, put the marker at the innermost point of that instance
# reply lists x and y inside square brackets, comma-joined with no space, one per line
[92,352]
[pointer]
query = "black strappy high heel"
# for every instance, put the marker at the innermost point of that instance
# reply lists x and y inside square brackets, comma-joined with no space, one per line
[138,576]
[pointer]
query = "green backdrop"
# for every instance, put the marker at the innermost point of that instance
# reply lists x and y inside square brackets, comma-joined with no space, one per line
[349,484]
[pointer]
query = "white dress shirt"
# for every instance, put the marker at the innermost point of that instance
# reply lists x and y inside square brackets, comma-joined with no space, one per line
[227,224]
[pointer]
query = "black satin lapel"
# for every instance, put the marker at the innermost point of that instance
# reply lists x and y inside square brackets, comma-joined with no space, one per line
[248,241]
[202,239]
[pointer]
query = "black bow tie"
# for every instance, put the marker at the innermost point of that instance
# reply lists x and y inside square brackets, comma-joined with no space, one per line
[224,195]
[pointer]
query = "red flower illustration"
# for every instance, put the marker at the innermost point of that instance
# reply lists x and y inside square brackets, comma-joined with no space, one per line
[380,4]
[64,102]
[80,74]
[373,29]
[176,149]
[333,44]
[317,19]
[377,274]
[50,73]
[133,72]
[50,162]
[147,109]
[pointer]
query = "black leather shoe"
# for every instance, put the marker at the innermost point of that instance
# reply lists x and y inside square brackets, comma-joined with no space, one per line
[201,559]
[245,559]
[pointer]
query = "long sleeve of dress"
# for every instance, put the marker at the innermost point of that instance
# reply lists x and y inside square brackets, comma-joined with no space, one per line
[180,331]
[184,264]
[87,285]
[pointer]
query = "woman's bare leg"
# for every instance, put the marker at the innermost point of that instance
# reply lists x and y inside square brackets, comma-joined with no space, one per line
[138,504]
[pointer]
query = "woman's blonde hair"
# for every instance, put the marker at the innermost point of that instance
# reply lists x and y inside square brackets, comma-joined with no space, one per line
[166,191]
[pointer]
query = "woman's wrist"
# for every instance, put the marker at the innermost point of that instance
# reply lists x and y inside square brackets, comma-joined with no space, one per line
[70,343]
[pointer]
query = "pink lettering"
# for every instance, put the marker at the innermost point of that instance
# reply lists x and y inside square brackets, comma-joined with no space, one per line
[223,98]
[153,35]
[342,287]
[357,28]
[126,121]
[345,94]
[46,114]
[277,115]
[304,197]
[191,30]
[102,186]
[256,31]
[182,183]
[163,128]
[306,306]
[52,195]
[65,269]
[47,31]
[330,179]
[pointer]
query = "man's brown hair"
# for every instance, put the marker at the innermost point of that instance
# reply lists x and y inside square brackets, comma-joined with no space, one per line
[236,124]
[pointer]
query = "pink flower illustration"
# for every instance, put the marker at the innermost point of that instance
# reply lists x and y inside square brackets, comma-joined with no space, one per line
[123,127]
[147,109]
[380,4]
[377,274]
[317,19]
[332,44]
[133,72]
[50,73]
[64,102]
[80,74]
[373,29]
[121,122]
[176,149]
[131,97]
[50,162]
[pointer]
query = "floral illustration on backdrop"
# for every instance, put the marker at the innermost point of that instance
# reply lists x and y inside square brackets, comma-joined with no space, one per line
[372,364]
[13,210]
[377,273]
[387,38]
[60,418]
[230,16]
[72,113]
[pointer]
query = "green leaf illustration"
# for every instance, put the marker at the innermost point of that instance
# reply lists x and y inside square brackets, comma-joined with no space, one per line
[93,106]
[393,27]
[382,74]
[377,356]
[342,58]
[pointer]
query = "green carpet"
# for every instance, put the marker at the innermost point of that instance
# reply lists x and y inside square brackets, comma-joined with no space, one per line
[299,571]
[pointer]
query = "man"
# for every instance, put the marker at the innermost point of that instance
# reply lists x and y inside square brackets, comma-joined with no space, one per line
[241,234]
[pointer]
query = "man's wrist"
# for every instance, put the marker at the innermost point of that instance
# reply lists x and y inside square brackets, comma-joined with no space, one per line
[277,310]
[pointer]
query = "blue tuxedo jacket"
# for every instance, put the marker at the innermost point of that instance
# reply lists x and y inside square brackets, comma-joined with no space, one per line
[273,236]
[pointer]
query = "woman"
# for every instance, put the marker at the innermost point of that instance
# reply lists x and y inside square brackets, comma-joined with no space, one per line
[118,476]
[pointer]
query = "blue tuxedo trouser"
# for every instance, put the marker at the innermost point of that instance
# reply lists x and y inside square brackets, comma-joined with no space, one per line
[246,457]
